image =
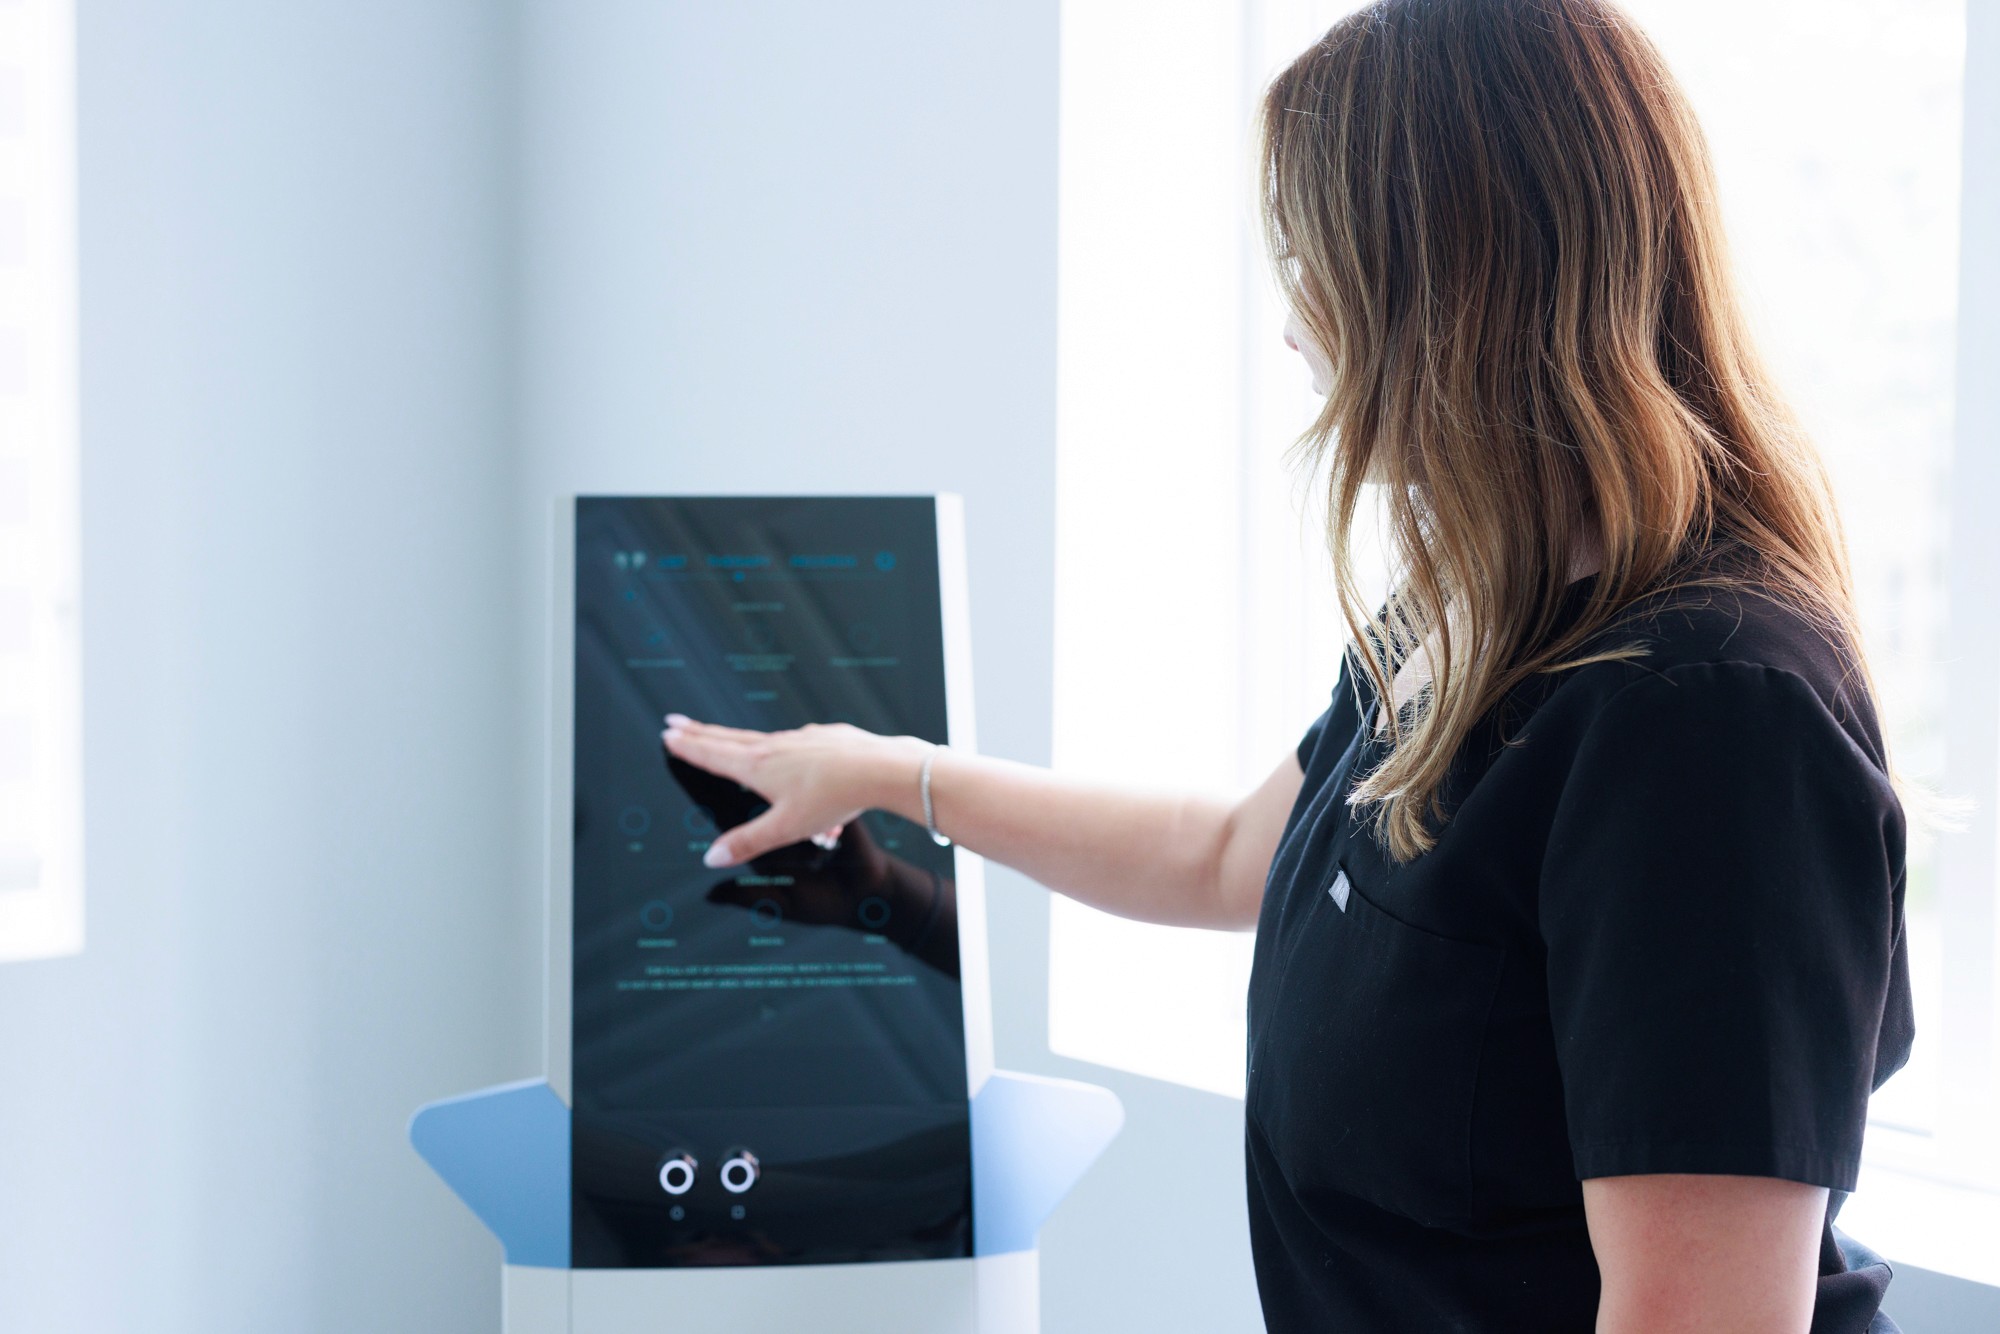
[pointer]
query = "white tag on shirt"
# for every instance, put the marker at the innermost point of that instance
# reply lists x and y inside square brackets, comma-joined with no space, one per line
[1338,891]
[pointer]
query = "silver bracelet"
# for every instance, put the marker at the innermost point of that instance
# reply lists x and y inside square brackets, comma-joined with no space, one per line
[924,785]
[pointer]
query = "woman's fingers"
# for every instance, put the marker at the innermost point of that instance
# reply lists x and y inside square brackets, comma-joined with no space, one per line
[729,758]
[680,722]
[750,840]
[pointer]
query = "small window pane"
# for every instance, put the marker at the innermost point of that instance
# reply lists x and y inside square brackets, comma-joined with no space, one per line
[41,791]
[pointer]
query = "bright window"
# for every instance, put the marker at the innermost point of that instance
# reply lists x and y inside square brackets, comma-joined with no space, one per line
[1195,632]
[1195,635]
[41,790]
[1844,211]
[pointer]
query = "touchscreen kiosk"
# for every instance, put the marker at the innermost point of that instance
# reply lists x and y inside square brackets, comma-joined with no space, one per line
[768,1062]
[769,1100]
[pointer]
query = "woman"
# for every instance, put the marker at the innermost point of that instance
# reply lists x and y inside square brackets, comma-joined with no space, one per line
[1579,911]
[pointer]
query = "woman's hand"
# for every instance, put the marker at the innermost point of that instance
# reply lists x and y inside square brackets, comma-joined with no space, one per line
[817,777]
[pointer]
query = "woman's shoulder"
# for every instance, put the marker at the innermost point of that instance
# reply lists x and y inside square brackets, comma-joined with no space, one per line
[1733,639]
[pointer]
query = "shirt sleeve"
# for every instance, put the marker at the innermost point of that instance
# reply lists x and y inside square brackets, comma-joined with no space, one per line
[1720,900]
[1310,741]
[1341,716]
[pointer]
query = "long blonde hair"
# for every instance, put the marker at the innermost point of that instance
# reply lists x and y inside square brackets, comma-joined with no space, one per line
[1498,218]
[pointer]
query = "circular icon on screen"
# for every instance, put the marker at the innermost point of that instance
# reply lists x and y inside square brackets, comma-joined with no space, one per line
[885,561]
[766,913]
[873,912]
[634,821]
[657,915]
[700,820]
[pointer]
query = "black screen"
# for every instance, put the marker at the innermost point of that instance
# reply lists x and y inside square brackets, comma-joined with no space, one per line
[795,1024]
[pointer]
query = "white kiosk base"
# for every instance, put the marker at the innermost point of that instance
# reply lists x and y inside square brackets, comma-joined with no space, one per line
[997,1294]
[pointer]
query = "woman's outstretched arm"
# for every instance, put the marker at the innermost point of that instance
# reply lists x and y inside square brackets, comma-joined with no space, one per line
[1159,857]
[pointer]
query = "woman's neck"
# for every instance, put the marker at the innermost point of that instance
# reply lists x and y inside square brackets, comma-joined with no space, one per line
[1588,557]
[1415,672]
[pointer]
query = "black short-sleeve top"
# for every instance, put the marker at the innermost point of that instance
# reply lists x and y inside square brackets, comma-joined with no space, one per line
[1660,931]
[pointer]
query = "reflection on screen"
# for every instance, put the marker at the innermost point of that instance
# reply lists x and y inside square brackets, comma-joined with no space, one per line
[769,1061]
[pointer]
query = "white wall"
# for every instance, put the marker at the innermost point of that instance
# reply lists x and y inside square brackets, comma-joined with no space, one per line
[307,907]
